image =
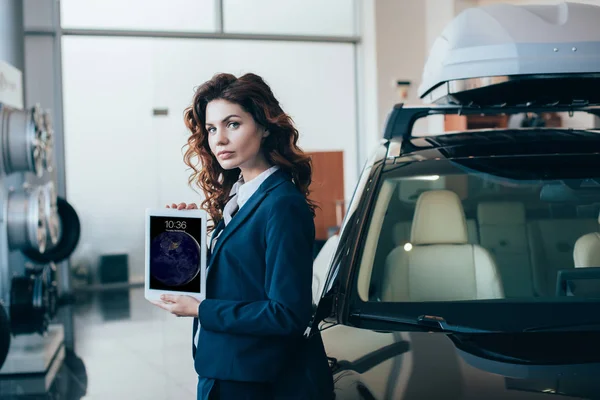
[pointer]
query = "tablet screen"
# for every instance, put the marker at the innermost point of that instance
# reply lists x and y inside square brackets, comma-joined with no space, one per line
[175,253]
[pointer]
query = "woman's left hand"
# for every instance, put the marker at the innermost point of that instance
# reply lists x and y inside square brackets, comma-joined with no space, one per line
[182,306]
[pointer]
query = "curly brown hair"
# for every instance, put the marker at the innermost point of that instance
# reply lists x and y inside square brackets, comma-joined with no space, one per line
[279,148]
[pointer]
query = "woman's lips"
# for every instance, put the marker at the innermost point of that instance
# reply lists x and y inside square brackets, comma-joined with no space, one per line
[224,155]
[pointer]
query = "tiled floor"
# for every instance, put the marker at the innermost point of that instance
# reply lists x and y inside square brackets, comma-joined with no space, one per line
[125,348]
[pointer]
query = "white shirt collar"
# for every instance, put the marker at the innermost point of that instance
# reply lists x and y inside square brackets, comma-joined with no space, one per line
[242,191]
[247,189]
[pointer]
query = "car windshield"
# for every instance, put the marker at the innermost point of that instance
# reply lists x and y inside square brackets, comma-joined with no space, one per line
[492,228]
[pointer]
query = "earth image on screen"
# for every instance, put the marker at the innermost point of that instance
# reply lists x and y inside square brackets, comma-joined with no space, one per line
[174,258]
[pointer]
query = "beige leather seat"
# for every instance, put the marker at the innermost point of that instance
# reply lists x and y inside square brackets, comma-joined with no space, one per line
[503,231]
[401,232]
[553,245]
[441,265]
[586,252]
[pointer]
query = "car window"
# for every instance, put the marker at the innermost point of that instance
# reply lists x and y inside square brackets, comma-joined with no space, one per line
[479,229]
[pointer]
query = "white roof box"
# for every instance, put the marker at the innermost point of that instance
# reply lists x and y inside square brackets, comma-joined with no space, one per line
[502,54]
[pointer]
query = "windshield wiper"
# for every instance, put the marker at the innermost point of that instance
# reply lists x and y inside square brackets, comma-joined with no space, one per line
[428,323]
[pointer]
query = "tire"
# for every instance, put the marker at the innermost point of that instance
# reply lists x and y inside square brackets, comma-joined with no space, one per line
[4,335]
[69,236]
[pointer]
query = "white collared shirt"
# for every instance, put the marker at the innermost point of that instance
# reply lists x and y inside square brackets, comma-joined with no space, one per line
[241,191]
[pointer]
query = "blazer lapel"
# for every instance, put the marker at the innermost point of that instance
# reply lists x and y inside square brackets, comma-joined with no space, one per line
[214,234]
[248,209]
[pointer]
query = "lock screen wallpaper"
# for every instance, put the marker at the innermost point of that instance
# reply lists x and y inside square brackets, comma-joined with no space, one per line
[175,253]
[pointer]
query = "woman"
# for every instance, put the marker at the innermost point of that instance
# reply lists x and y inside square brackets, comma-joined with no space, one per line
[248,333]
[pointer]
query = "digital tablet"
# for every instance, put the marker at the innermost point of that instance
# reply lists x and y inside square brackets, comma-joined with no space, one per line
[175,253]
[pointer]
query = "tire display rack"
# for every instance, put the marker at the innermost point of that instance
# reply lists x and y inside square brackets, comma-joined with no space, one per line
[38,228]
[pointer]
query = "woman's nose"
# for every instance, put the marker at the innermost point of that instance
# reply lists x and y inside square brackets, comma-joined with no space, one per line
[221,137]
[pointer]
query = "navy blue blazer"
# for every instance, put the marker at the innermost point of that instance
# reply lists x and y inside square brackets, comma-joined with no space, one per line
[259,294]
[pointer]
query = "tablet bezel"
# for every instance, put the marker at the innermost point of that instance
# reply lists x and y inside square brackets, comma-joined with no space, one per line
[154,294]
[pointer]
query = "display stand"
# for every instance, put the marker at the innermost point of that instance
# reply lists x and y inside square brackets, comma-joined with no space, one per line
[32,363]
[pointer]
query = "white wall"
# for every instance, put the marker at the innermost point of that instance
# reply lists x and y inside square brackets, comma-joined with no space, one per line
[296,17]
[111,150]
[367,64]
[180,15]
[397,36]
[300,17]
[120,159]
[401,50]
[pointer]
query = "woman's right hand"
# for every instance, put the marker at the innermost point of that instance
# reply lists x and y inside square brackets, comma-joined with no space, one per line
[183,206]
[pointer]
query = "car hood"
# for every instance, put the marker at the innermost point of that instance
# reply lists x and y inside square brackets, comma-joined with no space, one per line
[413,366]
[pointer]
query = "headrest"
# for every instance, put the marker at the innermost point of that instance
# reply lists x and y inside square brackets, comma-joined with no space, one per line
[501,213]
[439,219]
[586,252]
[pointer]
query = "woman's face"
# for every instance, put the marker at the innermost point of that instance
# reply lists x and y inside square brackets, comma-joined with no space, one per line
[233,136]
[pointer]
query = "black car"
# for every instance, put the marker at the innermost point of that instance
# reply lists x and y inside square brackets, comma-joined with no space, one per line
[467,264]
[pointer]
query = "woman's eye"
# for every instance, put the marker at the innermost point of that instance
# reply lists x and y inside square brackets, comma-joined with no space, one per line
[210,130]
[233,125]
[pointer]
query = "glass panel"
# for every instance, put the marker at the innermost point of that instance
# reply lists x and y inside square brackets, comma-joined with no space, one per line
[484,229]
[121,159]
[314,83]
[110,150]
[154,15]
[292,17]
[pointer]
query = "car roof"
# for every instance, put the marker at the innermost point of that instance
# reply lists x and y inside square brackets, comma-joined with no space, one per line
[500,142]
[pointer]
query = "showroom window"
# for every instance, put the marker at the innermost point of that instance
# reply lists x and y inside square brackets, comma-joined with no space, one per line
[182,15]
[127,79]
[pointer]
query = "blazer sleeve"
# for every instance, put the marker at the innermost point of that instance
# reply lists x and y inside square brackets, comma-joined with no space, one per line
[290,233]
